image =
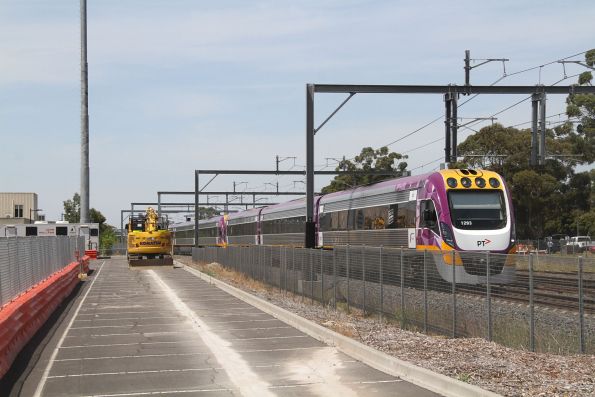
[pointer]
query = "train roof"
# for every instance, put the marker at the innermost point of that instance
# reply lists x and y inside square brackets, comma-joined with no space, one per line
[245,214]
[389,186]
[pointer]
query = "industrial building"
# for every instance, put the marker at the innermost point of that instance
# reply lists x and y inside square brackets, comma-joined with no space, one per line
[19,208]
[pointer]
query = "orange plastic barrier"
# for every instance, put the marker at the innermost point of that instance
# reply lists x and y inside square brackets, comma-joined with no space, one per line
[91,254]
[21,318]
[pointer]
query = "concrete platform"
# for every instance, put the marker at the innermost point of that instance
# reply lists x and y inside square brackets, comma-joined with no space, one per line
[163,331]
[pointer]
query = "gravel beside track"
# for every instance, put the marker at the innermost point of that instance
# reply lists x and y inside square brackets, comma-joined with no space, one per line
[486,364]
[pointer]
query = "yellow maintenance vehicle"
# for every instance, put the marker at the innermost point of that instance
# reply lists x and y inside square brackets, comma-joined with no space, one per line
[149,240]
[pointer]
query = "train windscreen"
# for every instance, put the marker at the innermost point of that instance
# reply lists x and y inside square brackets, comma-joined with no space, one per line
[475,209]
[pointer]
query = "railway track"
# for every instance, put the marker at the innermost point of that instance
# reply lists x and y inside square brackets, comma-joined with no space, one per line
[559,290]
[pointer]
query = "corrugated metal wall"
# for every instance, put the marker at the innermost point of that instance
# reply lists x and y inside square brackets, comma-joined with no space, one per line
[26,261]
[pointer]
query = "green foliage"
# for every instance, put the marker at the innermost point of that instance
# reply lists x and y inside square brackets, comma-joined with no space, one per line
[107,236]
[72,209]
[207,212]
[586,223]
[368,160]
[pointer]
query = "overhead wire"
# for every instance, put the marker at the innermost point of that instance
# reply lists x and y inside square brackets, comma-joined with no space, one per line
[505,75]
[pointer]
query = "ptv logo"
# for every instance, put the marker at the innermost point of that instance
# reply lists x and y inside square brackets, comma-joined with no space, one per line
[483,243]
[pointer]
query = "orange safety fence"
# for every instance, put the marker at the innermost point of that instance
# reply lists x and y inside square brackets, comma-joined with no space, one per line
[23,316]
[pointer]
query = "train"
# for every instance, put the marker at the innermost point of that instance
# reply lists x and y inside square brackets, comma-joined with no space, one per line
[456,212]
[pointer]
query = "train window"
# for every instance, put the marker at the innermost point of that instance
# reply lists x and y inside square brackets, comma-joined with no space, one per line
[406,215]
[207,232]
[31,231]
[243,229]
[428,216]
[94,232]
[61,231]
[375,218]
[474,210]
[284,225]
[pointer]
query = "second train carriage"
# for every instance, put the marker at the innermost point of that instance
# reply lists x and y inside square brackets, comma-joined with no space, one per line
[467,211]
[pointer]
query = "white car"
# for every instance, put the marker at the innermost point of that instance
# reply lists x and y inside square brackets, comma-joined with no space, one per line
[579,243]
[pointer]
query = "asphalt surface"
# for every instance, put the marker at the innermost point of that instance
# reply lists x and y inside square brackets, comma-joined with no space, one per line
[163,331]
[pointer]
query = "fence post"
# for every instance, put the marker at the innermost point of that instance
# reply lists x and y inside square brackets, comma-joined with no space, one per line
[280,268]
[348,276]
[270,278]
[322,276]
[489,296]
[381,287]
[311,262]
[581,307]
[284,271]
[531,306]
[425,293]
[454,295]
[363,253]
[335,278]
[402,290]
[303,278]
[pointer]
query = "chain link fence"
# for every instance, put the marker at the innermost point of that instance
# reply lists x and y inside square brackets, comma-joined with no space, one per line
[26,261]
[543,306]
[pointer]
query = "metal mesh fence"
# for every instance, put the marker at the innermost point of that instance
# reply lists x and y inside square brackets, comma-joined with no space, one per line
[26,261]
[534,302]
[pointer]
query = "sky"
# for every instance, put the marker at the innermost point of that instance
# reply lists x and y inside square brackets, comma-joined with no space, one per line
[179,85]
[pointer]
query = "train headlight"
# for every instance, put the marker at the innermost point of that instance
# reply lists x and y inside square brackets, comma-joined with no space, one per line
[451,182]
[466,182]
[480,182]
[447,235]
[494,183]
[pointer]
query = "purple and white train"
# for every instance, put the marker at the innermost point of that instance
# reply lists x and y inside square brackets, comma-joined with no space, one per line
[456,213]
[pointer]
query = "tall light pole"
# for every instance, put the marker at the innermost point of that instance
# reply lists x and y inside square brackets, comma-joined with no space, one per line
[84,216]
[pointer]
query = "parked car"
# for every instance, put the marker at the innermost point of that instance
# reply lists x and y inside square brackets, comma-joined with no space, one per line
[579,243]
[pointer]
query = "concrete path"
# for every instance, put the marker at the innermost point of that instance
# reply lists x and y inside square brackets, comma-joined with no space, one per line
[163,331]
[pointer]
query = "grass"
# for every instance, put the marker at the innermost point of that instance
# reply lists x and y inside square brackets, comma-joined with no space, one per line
[555,263]
[464,377]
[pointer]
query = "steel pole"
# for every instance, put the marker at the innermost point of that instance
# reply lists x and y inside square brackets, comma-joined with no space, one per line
[534,137]
[542,129]
[447,110]
[196,208]
[84,209]
[310,237]
[454,128]
[581,306]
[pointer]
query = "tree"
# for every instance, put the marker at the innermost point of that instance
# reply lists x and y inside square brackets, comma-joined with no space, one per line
[207,212]
[368,160]
[107,234]
[72,209]
[582,108]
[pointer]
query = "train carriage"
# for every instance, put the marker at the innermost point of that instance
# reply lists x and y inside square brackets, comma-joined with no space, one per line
[284,224]
[243,228]
[210,233]
[377,215]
